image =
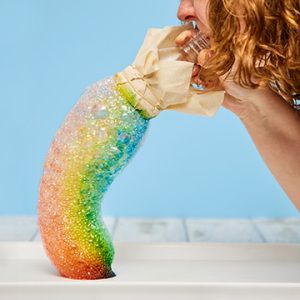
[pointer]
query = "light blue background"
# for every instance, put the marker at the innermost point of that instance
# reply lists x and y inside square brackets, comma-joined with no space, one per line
[188,165]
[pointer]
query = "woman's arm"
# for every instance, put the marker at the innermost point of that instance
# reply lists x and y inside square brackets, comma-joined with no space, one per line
[272,123]
[274,127]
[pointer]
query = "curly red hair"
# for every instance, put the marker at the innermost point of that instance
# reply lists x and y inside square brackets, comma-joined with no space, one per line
[252,31]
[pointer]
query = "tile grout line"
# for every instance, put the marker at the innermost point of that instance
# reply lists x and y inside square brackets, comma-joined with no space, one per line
[114,227]
[185,230]
[34,235]
[257,230]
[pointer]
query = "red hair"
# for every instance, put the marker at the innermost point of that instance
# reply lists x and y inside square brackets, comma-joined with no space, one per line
[252,31]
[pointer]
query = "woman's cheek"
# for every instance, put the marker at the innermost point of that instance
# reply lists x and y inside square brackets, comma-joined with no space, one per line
[200,7]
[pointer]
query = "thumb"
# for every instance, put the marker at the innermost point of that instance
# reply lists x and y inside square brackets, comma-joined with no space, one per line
[185,37]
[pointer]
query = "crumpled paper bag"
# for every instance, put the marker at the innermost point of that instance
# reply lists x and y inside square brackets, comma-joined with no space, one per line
[160,80]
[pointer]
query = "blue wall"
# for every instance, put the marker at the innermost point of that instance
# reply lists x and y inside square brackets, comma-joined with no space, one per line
[188,166]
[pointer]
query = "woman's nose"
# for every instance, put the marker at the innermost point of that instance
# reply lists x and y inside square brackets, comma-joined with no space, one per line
[186,11]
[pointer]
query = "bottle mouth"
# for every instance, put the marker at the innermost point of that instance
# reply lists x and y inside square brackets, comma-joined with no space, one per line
[195,26]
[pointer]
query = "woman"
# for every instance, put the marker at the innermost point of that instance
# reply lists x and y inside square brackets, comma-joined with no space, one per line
[256,54]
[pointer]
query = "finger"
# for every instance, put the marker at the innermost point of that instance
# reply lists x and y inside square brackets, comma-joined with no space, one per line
[185,37]
[218,85]
[203,57]
[196,70]
[196,80]
[209,84]
[212,85]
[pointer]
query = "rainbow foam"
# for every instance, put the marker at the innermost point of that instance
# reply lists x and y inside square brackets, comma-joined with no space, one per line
[95,142]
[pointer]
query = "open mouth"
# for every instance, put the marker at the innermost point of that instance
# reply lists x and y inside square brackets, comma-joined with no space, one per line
[197,28]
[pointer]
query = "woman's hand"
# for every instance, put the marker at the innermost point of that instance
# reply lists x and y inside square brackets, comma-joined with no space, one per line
[237,98]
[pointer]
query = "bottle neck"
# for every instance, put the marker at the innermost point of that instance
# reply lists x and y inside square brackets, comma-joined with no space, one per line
[134,90]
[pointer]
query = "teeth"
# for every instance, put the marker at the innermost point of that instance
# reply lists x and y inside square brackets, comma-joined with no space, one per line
[194,25]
